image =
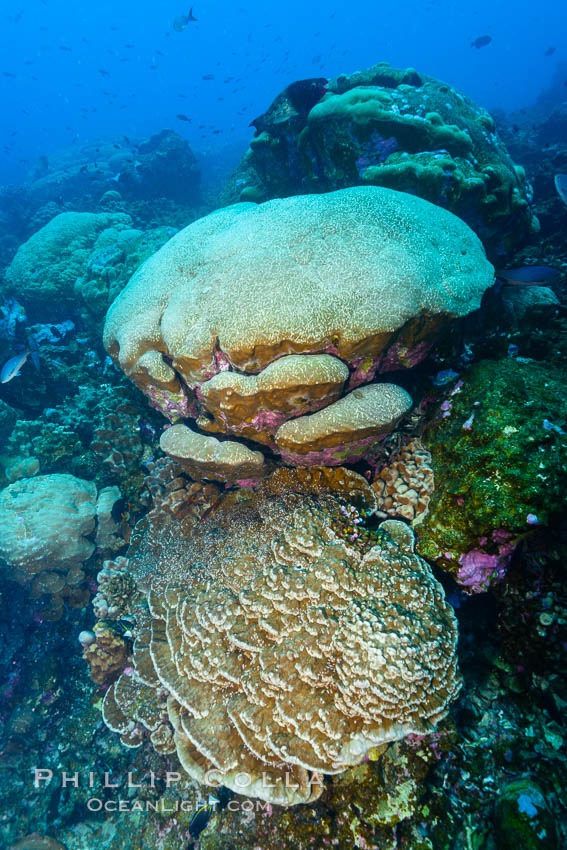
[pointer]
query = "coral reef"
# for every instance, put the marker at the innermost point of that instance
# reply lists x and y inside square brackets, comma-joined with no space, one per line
[43,272]
[281,632]
[404,486]
[46,526]
[155,181]
[356,274]
[102,432]
[306,651]
[106,656]
[116,590]
[174,495]
[395,128]
[114,258]
[498,459]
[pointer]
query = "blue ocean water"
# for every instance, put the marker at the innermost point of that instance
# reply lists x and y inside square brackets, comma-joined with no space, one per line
[73,73]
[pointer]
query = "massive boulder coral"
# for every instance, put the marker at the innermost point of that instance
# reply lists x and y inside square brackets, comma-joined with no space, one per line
[49,526]
[257,315]
[277,650]
[395,128]
[206,457]
[43,273]
[114,258]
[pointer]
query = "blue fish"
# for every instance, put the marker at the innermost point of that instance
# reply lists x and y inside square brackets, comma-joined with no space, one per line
[561,186]
[444,377]
[528,276]
[11,368]
[549,426]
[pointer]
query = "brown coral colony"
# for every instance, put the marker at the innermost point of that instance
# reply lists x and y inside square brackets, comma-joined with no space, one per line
[282,632]
[282,660]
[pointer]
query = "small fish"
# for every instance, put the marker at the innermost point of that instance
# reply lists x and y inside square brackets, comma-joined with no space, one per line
[549,426]
[481,41]
[34,353]
[11,368]
[550,51]
[202,816]
[125,626]
[560,181]
[182,117]
[444,377]
[528,276]
[181,21]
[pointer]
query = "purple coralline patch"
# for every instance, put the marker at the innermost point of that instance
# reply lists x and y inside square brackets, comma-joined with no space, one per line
[173,405]
[400,356]
[246,482]
[222,362]
[364,371]
[479,569]
[351,453]
[270,420]
[376,151]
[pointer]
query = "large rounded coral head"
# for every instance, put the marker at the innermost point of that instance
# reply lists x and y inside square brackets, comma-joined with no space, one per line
[333,287]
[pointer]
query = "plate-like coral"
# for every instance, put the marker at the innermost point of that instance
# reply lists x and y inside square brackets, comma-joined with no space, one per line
[280,646]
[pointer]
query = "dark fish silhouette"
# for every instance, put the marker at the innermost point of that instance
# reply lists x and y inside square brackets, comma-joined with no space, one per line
[183,117]
[528,276]
[481,41]
[294,102]
[200,820]
[202,816]
[181,21]
[550,51]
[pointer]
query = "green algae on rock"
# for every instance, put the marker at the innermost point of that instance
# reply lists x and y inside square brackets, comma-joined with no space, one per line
[499,469]
[523,819]
[399,129]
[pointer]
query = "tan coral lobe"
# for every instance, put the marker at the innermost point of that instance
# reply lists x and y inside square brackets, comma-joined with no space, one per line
[207,457]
